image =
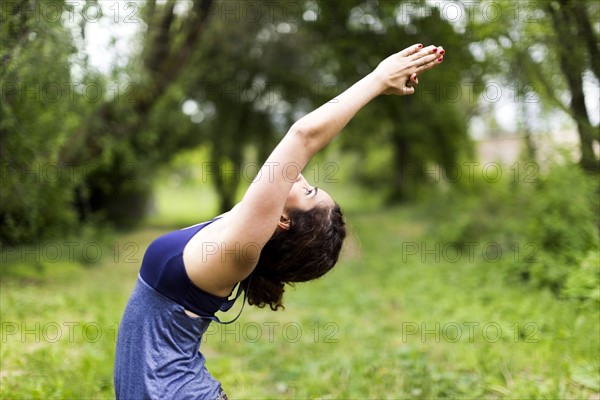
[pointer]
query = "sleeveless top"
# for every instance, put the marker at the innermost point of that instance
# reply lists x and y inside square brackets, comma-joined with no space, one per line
[158,345]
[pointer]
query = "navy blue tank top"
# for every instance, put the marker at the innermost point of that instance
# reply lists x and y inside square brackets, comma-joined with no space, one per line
[158,345]
[163,269]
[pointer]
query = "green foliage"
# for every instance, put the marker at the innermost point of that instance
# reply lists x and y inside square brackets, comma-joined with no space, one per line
[37,94]
[547,224]
[76,147]
[427,128]
[248,80]
[343,336]
[245,83]
[583,281]
[549,48]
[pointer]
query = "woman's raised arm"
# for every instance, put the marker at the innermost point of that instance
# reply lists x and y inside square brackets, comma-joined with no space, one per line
[258,213]
[254,220]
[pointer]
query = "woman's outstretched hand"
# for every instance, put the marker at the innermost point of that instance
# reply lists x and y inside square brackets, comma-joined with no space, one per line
[399,72]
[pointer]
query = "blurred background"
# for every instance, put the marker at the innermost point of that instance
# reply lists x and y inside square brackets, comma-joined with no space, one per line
[472,268]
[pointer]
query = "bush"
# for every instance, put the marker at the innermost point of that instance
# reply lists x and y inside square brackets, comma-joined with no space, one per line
[584,280]
[550,226]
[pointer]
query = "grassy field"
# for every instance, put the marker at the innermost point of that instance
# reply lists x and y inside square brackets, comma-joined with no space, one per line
[393,320]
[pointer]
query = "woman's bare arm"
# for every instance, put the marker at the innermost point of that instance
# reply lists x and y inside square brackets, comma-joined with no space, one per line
[254,220]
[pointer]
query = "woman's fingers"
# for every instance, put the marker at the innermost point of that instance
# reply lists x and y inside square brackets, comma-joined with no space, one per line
[429,61]
[407,90]
[429,65]
[435,56]
[425,52]
[411,50]
[432,64]
[413,81]
[403,67]
[430,58]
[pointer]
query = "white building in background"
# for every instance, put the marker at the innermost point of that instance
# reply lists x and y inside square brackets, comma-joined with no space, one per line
[509,149]
[505,150]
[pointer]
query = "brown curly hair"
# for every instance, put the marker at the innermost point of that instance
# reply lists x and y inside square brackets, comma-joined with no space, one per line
[306,251]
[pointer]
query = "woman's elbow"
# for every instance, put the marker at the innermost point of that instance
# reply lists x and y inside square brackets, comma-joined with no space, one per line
[304,136]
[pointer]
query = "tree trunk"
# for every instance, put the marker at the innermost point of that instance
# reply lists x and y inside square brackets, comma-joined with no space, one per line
[564,22]
[404,171]
[164,60]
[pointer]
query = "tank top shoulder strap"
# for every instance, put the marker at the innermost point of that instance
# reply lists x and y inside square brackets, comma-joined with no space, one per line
[229,303]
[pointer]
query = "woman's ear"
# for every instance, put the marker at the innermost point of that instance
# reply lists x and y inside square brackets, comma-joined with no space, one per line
[284,221]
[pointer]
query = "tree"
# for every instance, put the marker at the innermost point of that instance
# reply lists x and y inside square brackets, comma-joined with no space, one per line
[40,107]
[548,47]
[118,132]
[100,148]
[245,84]
[424,130]
[572,24]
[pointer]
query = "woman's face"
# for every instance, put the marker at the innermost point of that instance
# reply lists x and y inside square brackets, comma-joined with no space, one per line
[303,196]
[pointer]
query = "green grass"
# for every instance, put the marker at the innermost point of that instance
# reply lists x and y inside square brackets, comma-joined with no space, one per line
[381,325]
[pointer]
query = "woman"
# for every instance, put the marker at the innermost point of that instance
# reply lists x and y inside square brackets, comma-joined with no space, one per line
[284,230]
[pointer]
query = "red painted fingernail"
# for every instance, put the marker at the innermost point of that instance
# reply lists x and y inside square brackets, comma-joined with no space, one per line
[435,50]
[440,59]
[420,46]
[442,52]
